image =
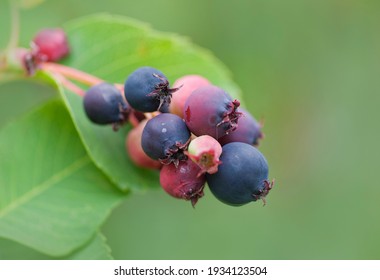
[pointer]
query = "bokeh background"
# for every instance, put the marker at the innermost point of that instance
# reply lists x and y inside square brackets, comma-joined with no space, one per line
[311,70]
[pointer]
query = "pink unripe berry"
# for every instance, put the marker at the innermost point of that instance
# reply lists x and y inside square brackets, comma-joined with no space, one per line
[51,44]
[135,151]
[183,181]
[189,83]
[205,152]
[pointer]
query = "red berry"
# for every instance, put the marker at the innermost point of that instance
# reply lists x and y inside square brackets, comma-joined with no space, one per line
[135,151]
[189,83]
[183,181]
[209,110]
[51,44]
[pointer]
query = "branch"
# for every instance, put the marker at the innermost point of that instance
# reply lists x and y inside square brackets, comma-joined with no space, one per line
[15,25]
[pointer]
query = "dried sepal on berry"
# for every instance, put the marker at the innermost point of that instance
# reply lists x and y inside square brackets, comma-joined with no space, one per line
[248,131]
[162,92]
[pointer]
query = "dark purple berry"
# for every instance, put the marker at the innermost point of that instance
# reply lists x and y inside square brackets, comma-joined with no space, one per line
[165,137]
[147,89]
[135,151]
[164,108]
[209,110]
[104,104]
[248,131]
[51,44]
[183,181]
[242,176]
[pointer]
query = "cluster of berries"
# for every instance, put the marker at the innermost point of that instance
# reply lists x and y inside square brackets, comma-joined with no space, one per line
[194,132]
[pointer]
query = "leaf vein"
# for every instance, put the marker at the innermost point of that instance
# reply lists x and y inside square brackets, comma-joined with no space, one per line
[75,166]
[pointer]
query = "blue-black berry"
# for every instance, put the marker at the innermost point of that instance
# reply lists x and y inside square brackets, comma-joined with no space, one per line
[165,137]
[242,176]
[147,90]
[104,104]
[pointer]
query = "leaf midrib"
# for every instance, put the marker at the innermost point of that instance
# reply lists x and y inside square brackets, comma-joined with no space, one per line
[36,190]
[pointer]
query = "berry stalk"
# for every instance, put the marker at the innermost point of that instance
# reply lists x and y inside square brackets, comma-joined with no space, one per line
[69,85]
[71,73]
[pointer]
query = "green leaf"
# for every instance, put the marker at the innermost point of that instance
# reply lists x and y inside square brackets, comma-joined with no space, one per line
[95,249]
[105,147]
[52,197]
[112,47]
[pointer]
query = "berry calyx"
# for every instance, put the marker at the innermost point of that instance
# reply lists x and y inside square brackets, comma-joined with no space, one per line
[248,131]
[205,152]
[209,110]
[162,92]
[268,185]
[231,117]
[183,181]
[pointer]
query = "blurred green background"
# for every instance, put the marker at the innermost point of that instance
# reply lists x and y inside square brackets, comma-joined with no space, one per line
[311,70]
